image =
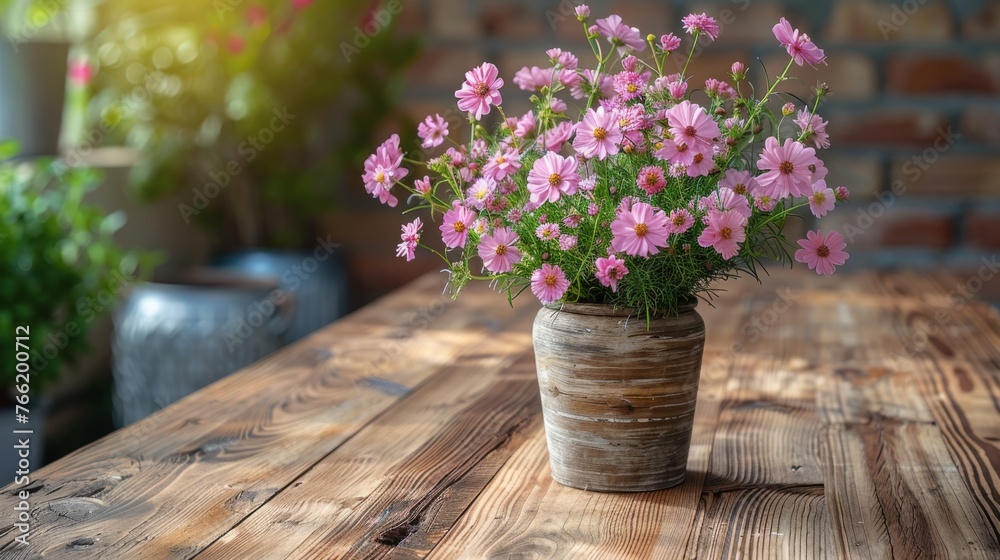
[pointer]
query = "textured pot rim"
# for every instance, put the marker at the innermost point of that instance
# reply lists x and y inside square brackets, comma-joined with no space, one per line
[608,310]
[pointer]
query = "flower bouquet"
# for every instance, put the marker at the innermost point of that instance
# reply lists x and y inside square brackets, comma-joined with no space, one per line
[624,194]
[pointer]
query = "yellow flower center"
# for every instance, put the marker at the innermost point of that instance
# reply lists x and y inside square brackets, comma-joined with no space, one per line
[641,229]
[550,280]
[632,88]
[482,89]
[600,133]
[555,179]
[698,158]
[380,177]
[726,233]
[501,250]
[740,188]
[786,167]
[819,198]
[459,227]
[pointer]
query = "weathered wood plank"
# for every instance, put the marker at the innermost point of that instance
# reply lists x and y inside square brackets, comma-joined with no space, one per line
[168,486]
[402,481]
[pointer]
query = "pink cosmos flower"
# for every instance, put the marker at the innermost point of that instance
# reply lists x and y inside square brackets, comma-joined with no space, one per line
[740,182]
[432,131]
[640,231]
[480,90]
[788,168]
[558,135]
[582,12]
[411,238]
[725,200]
[621,35]
[558,106]
[610,270]
[498,251]
[799,46]
[703,23]
[593,209]
[821,253]
[679,221]
[724,232]
[670,42]
[547,232]
[567,242]
[822,199]
[675,154]
[422,186]
[551,177]
[629,85]
[534,78]
[382,171]
[549,283]
[502,165]
[651,179]
[700,165]
[565,59]
[572,221]
[788,108]
[480,193]
[690,124]
[598,134]
[455,225]
[739,70]
[525,125]
[765,203]
[677,89]
[814,128]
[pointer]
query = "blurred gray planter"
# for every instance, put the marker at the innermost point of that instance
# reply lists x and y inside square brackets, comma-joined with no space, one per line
[32,92]
[172,339]
[317,279]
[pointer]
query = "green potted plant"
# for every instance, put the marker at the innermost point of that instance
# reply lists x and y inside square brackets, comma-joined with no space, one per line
[60,271]
[255,113]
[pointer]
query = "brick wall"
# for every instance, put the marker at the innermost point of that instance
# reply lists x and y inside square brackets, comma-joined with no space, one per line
[914,119]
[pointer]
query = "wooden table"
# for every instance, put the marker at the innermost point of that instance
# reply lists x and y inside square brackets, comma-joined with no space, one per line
[849,417]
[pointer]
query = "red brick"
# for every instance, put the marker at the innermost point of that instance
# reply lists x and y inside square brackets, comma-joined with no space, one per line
[443,68]
[901,21]
[873,225]
[931,173]
[981,124]
[452,19]
[744,22]
[884,127]
[649,16]
[516,20]
[850,75]
[983,25]
[937,74]
[862,175]
[412,20]
[982,229]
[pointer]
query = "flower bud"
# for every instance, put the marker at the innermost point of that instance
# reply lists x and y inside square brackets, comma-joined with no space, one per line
[582,12]
[842,193]
[739,70]
[758,129]
[788,109]
[720,111]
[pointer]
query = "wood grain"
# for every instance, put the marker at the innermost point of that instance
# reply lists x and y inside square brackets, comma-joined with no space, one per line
[854,417]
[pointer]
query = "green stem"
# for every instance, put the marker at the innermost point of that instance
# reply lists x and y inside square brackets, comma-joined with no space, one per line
[697,33]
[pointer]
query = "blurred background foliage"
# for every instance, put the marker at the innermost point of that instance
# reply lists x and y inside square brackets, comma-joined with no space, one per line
[196,87]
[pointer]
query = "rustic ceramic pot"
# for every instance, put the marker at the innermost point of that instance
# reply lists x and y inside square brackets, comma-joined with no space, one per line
[618,398]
